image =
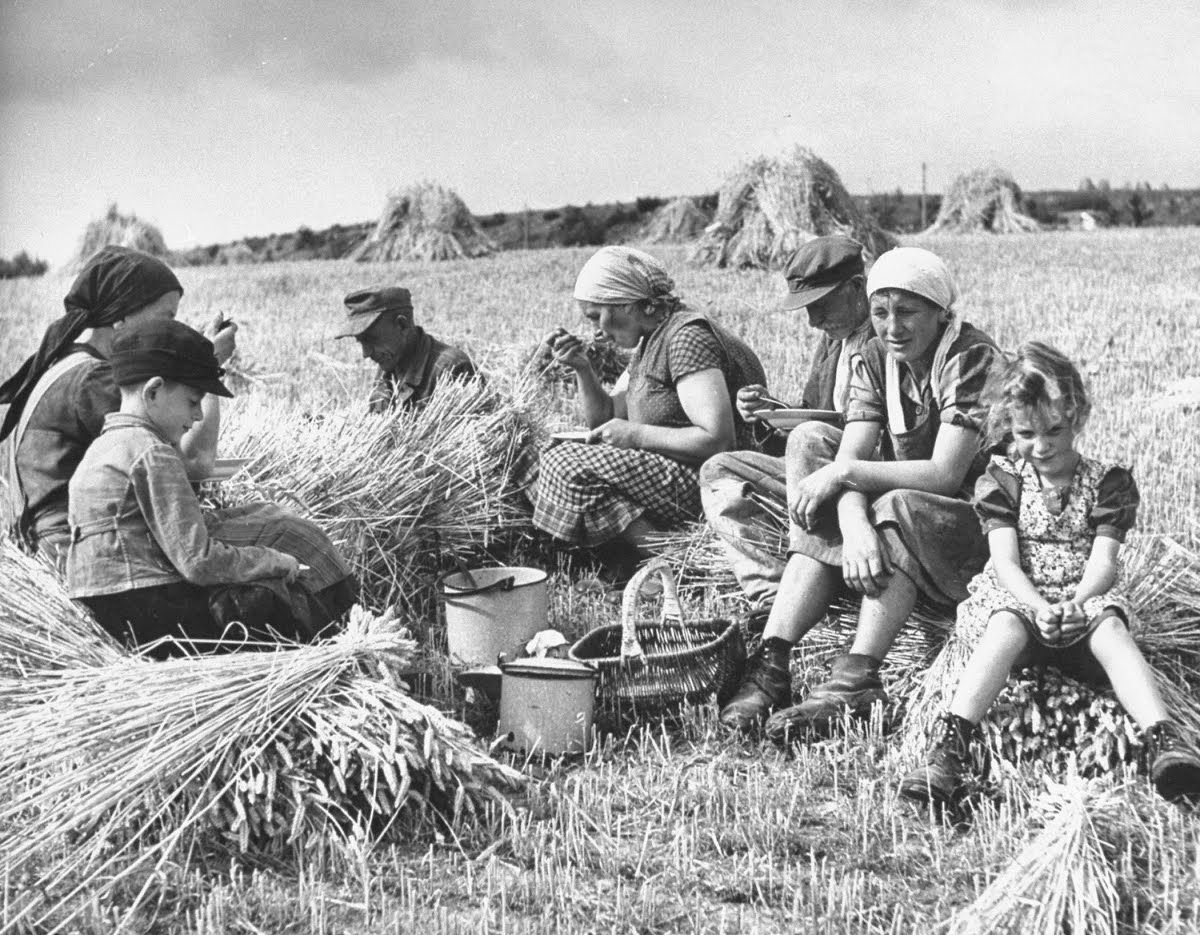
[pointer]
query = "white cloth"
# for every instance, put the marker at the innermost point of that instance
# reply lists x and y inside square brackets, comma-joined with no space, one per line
[620,275]
[914,270]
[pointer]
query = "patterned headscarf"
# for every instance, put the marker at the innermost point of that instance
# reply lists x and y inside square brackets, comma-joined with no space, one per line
[113,284]
[620,275]
[914,270]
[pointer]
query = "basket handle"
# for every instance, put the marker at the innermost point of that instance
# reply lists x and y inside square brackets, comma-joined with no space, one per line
[630,647]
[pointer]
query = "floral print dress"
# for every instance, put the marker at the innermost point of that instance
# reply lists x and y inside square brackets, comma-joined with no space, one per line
[1056,528]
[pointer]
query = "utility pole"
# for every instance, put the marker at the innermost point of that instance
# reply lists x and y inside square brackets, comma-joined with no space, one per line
[924,222]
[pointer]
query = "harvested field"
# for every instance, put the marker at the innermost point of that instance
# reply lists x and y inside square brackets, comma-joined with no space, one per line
[679,829]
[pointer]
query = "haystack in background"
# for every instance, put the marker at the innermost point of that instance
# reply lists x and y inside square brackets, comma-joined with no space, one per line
[110,772]
[405,493]
[123,230]
[424,222]
[986,199]
[235,254]
[769,207]
[678,221]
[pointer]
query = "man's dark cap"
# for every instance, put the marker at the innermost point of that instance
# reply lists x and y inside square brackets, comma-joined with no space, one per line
[169,349]
[366,305]
[820,266]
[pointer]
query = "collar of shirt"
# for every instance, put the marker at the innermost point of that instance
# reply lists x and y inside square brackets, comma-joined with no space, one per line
[411,370]
[127,420]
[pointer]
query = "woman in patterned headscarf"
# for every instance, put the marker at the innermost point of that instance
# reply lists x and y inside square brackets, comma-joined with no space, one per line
[670,411]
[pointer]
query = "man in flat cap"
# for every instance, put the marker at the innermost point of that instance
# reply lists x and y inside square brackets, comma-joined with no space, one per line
[410,361]
[825,277]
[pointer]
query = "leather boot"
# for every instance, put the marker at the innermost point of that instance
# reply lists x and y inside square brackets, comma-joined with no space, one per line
[1174,762]
[940,781]
[764,688]
[853,685]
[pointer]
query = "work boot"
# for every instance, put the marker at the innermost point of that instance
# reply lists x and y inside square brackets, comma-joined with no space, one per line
[1174,762]
[853,685]
[766,686]
[940,781]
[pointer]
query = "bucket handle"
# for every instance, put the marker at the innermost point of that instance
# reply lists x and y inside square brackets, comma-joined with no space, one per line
[502,584]
[631,649]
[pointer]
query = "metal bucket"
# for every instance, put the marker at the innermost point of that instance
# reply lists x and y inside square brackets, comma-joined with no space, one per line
[546,705]
[490,611]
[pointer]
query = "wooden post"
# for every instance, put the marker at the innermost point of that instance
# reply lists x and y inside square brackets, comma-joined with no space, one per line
[924,221]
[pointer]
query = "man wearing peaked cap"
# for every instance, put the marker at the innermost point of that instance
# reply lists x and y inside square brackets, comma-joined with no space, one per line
[825,278]
[410,361]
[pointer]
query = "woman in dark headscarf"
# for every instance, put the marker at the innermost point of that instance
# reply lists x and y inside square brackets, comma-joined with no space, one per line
[58,399]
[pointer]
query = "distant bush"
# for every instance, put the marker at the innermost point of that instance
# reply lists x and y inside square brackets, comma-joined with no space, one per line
[22,265]
[493,220]
[649,203]
[552,215]
[578,229]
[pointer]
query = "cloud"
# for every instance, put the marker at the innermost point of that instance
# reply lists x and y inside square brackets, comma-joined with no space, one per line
[52,48]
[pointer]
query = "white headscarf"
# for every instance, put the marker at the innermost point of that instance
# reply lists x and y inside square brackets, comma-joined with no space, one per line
[620,275]
[914,270]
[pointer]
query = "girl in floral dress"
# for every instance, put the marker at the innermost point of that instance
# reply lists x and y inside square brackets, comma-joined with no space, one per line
[1051,592]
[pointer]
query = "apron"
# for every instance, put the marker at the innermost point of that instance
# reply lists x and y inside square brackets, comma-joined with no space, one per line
[16,493]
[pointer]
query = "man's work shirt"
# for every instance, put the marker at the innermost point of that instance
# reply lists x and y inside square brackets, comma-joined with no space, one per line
[414,379]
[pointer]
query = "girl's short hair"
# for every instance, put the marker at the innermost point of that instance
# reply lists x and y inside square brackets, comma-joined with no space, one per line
[1037,377]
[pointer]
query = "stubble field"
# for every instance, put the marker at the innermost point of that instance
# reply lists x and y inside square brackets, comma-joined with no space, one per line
[681,829]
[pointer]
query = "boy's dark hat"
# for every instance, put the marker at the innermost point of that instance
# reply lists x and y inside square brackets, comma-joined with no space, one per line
[169,349]
[820,266]
[366,305]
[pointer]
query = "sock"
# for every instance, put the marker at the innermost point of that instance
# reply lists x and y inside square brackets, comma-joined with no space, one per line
[777,651]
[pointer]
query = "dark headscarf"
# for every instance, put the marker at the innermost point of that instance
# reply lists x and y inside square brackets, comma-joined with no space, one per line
[114,283]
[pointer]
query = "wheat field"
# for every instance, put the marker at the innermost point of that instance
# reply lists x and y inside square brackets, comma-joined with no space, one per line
[680,829]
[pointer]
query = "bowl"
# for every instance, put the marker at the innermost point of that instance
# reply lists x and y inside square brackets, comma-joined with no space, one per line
[784,420]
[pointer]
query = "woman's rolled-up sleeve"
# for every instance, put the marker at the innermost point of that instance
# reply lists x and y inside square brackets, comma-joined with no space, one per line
[172,512]
[1115,510]
[960,389]
[866,401]
[998,495]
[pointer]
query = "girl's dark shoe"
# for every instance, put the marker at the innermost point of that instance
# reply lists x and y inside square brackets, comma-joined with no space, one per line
[1174,762]
[941,781]
[766,686]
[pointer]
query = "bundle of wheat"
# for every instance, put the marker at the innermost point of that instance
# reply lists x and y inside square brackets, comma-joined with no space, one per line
[139,763]
[1046,717]
[768,207]
[986,199]
[424,222]
[40,627]
[124,230]
[404,494]
[678,221]
[1062,880]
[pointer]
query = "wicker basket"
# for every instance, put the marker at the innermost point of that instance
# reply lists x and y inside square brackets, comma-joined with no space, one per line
[650,666]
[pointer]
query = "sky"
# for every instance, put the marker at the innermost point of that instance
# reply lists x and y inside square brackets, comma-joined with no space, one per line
[220,119]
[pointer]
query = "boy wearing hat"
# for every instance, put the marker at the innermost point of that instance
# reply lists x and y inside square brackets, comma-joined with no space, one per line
[142,556]
[410,361]
[825,277]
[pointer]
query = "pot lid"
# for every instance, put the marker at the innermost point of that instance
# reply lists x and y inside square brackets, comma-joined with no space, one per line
[548,668]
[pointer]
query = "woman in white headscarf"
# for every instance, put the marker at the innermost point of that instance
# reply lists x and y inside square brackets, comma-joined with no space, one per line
[883,506]
[670,411]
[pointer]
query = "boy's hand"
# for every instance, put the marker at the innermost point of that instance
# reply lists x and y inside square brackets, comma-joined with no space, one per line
[292,568]
[222,332]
